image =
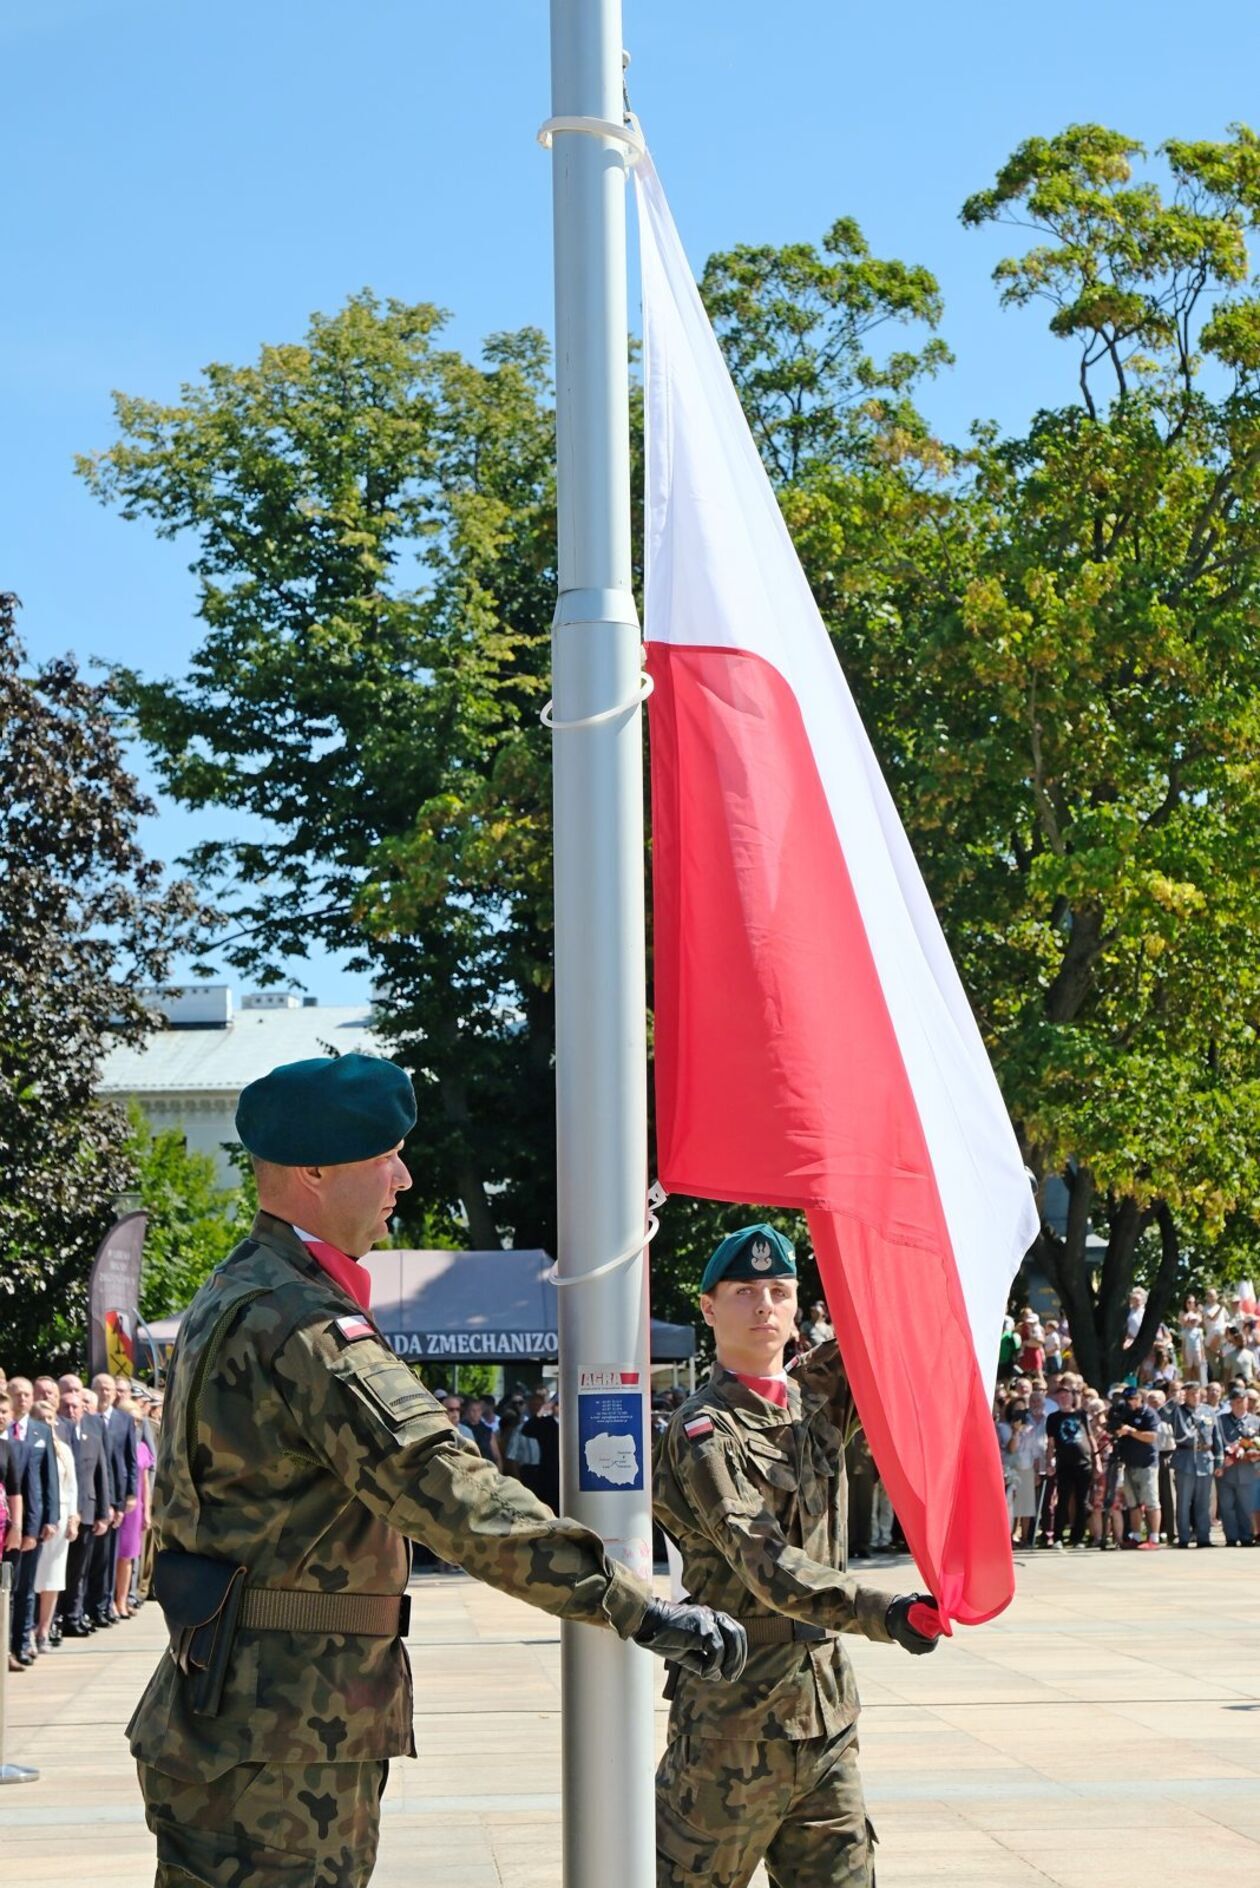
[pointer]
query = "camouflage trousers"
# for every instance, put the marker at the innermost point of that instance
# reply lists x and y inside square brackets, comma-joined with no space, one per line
[724,1806]
[263,1825]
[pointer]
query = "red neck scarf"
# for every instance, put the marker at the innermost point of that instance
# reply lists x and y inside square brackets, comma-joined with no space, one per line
[354,1279]
[774,1389]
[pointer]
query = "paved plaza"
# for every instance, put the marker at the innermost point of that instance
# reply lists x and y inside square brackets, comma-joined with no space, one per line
[1104,1732]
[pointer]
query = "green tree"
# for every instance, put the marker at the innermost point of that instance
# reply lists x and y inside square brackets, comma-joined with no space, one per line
[795,326]
[1077,755]
[193,1221]
[372,520]
[87,924]
[1053,641]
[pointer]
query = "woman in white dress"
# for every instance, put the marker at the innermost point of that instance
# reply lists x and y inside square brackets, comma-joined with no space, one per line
[50,1569]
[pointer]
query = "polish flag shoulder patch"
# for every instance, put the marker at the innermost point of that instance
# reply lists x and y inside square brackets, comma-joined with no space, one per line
[350,1328]
[698,1427]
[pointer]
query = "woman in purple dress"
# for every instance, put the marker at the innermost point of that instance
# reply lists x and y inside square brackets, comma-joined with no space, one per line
[132,1529]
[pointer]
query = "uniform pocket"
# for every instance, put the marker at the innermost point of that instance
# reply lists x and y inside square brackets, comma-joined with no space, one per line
[390,1389]
[691,1852]
[681,1800]
[771,1462]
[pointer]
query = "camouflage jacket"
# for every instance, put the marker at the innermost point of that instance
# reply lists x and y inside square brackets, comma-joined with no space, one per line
[756,1498]
[309,1456]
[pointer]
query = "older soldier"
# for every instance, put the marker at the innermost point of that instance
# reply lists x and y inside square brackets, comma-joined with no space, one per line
[750,1483]
[296,1457]
[1236,1474]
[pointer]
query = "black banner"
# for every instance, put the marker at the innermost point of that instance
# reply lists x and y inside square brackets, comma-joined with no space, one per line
[114,1297]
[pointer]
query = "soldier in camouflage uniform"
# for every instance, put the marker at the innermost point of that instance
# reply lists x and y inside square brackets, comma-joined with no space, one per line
[750,1483]
[297,1457]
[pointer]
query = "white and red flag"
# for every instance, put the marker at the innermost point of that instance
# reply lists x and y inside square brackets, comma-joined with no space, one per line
[814,1047]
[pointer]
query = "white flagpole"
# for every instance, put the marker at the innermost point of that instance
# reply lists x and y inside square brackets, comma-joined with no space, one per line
[601,1050]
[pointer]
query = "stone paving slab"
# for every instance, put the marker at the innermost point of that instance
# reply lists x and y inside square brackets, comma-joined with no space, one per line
[1104,1731]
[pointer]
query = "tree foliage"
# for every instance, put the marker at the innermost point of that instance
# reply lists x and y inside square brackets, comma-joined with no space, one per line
[372,519]
[1053,640]
[193,1221]
[795,325]
[373,522]
[1058,651]
[87,923]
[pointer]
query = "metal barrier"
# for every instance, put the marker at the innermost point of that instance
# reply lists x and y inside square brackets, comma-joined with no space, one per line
[9,1772]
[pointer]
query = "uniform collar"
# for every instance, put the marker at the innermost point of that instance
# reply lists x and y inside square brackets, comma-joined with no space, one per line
[279,1237]
[752,1409]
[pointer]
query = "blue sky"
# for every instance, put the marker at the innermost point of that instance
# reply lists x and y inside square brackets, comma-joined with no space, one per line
[185,183]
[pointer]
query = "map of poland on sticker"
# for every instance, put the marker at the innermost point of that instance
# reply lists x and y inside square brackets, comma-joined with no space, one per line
[613,1458]
[611,1408]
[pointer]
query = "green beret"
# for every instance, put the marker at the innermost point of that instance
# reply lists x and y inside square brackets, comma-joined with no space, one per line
[326,1111]
[752,1252]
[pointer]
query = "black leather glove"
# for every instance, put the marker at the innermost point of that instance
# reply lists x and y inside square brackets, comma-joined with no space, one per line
[914,1622]
[713,1645]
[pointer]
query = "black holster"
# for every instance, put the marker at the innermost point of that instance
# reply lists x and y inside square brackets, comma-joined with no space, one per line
[201,1601]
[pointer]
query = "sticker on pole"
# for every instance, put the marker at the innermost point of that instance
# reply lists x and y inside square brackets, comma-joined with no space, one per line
[610,1429]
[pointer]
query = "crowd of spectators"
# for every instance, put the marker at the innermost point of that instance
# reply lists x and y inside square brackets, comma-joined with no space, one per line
[1169,1455]
[520,1433]
[76,1468]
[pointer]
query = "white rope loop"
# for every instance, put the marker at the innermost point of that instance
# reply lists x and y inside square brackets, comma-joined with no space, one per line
[628,135]
[605,714]
[610,1265]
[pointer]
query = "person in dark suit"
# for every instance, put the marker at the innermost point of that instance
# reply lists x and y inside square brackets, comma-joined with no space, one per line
[124,1470]
[96,1577]
[542,1427]
[86,1437]
[41,1511]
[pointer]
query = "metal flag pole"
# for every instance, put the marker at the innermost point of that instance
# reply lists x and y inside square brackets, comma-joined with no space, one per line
[601,1049]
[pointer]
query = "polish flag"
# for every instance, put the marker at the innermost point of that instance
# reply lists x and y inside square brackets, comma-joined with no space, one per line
[814,1047]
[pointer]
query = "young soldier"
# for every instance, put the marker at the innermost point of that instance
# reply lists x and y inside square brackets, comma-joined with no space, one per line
[296,1457]
[750,1483]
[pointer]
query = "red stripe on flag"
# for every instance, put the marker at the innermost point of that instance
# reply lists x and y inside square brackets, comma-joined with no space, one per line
[925,1411]
[780,1080]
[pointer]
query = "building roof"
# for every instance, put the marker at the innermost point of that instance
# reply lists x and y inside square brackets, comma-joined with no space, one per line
[222,1061]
